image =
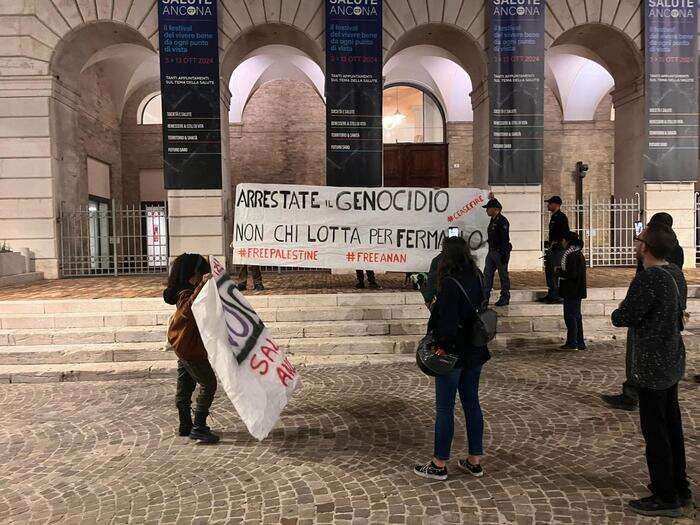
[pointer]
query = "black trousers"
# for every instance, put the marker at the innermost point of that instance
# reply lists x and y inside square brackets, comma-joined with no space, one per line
[189,374]
[496,262]
[243,274]
[361,276]
[662,427]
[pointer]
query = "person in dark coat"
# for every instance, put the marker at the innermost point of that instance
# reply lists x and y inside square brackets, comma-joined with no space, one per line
[499,252]
[558,229]
[572,289]
[652,311]
[628,399]
[451,320]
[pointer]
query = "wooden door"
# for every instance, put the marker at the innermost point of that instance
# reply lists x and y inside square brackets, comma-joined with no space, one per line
[416,165]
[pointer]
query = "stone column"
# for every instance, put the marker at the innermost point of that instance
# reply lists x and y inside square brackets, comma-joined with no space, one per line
[28,203]
[522,206]
[198,220]
[630,138]
[678,199]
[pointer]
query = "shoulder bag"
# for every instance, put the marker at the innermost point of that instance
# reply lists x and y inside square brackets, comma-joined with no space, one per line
[485,326]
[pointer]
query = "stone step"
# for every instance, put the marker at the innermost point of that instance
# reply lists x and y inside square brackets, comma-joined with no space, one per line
[157,333]
[156,304]
[55,373]
[121,352]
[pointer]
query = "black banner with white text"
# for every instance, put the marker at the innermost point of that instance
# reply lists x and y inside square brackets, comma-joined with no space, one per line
[671,90]
[189,78]
[354,92]
[516,91]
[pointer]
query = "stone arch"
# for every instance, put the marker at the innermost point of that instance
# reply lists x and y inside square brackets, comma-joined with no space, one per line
[615,49]
[269,34]
[608,46]
[465,49]
[75,49]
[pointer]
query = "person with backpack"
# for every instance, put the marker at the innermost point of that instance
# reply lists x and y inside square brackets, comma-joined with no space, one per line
[572,289]
[188,274]
[454,313]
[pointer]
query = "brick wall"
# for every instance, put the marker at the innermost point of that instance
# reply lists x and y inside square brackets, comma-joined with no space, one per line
[282,137]
[460,137]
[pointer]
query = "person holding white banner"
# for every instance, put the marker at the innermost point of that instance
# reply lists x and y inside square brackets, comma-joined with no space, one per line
[188,274]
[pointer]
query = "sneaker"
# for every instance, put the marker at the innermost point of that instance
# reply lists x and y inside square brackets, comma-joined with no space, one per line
[503,301]
[431,471]
[360,285]
[474,470]
[242,287]
[620,401]
[567,346]
[204,436]
[259,287]
[374,285]
[653,506]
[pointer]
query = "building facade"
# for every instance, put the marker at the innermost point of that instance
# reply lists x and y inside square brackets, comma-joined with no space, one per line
[80,117]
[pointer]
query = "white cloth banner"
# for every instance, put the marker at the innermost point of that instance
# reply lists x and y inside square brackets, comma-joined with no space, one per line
[388,229]
[253,371]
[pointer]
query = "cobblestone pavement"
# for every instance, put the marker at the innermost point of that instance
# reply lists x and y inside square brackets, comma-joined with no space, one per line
[282,283]
[343,452]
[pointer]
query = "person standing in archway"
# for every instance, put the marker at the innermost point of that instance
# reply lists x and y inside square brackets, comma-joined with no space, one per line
[558,229]
[499,252]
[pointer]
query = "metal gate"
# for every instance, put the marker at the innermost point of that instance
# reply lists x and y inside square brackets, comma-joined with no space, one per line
[607,228]
[105,238]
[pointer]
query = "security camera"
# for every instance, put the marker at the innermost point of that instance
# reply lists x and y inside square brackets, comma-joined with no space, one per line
[581,169]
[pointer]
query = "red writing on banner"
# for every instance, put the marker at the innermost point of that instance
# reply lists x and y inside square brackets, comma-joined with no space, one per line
[375,257]
[278,253]
[466,208]
[265,360]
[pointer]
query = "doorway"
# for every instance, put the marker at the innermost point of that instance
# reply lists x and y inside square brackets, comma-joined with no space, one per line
[415,151]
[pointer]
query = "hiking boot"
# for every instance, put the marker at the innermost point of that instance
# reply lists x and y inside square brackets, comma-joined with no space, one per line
[654,506]
[185,415]
[259,287]
[503,301]
[204,436]
[431,471]
[620,401]
[201,433]
[474,470]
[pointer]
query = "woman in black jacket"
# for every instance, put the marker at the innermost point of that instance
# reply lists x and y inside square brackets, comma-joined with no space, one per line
[451,320]
[572,289]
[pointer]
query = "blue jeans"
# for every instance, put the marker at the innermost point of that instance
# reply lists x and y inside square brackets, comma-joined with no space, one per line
[574,323]
[466,381]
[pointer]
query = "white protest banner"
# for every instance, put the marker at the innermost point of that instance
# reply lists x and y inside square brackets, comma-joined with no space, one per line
[386,229]
[254,372]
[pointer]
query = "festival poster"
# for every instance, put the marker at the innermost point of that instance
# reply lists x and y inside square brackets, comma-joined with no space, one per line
[671,90]
[189,78]
[516,91]
[385,229]
[354,92]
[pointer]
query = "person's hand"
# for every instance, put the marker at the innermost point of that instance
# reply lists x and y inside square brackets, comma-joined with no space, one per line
[491,195]
[439,351]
